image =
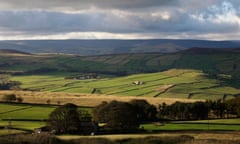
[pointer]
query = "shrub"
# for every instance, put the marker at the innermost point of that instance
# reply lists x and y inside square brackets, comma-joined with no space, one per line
[48,101]
[118,116]
[65,119]
[9,98]
[19,99]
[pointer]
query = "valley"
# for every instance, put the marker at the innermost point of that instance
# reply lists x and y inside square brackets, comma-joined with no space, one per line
[119,72]
[45,82]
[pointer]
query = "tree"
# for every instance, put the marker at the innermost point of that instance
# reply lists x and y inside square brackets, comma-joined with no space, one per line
[6,84]
[145,111]
[233,106]
[58,102]
[65,119]
[200,110]
[163,111]
[19,99]
[118,116]
[184,111]
[48,101]
[9,98]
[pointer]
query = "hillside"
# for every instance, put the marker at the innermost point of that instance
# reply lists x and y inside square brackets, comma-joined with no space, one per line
[103,47]
[211,61]
[195,73]
[12,52]
[174,83]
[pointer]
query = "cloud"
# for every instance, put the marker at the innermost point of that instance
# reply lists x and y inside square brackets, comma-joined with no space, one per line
[218,18]
[115,21]
[82,4]
[119,18]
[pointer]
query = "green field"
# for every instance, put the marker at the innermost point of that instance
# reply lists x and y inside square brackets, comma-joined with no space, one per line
[10,131]
[25,112]
[203,125]
[178,75]
[25,117]
[174,83]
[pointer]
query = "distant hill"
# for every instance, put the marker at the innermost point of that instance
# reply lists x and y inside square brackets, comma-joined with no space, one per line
[211,51]
[12,51]
[212,61]
[103,47]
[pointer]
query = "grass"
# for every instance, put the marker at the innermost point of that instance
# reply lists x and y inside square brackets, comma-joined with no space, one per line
[10,131]
[5,108]
[24,125]
[203,125]
[218,121]
[17,111]
[191,127]
[23,111]
[184,82]
[26,117]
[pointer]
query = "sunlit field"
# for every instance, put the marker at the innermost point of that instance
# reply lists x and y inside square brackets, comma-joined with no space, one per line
[186,84]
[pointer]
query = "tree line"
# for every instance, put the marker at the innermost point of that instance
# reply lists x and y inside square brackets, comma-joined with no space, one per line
[115,116]
[125,117]
[200,110]
[7,84]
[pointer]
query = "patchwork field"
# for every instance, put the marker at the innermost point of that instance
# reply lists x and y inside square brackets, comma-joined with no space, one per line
[25,112]
[27,117]
[24,117]
[49,80]
[174,83]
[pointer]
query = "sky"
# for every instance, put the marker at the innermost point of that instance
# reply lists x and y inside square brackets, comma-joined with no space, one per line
[120,19]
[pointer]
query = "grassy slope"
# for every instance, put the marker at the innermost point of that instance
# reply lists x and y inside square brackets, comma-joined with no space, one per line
[227,63]
[173,83]
[55,67]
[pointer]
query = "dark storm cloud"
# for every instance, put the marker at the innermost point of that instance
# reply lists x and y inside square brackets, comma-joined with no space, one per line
[141,17]
[42,21]
[50,22]
[82,4]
